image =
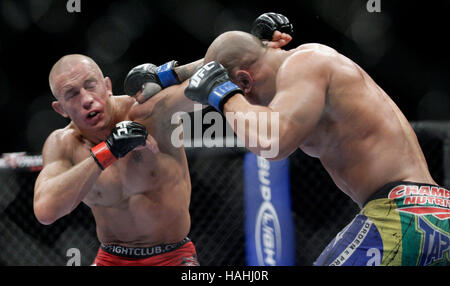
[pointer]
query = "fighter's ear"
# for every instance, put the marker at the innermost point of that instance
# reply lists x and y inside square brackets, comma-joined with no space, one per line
[108,85]
[58,108]
[244,80]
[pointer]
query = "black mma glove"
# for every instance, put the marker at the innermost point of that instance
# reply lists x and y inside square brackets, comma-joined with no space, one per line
[126,136]
[211,85]
[265,25]
[163,75]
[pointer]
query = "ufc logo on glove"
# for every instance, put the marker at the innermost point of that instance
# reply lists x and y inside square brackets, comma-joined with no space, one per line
[200,74]
[122,127]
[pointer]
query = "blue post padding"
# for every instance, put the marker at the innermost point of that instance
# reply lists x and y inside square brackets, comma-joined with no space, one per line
[269,227]
[219,92]
[166,75]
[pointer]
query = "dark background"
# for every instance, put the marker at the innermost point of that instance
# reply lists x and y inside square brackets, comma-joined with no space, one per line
[404,47]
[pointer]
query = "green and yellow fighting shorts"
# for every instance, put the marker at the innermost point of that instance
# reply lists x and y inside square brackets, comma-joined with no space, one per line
[403,223]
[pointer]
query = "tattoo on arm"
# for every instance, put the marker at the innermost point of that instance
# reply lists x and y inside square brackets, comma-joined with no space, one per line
[184,72]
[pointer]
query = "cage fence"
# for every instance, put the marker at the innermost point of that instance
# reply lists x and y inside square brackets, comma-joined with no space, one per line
[319,209]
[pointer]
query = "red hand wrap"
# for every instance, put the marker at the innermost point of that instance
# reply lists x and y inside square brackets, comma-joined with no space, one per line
[102,155]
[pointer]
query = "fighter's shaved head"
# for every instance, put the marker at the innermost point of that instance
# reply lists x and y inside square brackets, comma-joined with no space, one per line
[235,50]
[66,63]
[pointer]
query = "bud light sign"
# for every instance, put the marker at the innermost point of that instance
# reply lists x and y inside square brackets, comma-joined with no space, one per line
[268,221]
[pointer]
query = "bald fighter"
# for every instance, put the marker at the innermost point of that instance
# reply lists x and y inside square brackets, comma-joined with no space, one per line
[330,108]
[137,185]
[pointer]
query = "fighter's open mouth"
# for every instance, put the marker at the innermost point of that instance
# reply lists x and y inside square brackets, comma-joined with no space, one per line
[92,114]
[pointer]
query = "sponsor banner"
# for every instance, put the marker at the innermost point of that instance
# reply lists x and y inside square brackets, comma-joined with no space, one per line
[268,220]
[21,161]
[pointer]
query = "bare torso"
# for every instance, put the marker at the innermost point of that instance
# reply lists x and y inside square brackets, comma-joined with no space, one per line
[362,138]
[143,198]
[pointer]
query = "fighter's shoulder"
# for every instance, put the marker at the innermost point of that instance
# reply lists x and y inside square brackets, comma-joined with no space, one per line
[63,135]
[309,59]
[60,141]
[320,48]
[124,102]
[317,55]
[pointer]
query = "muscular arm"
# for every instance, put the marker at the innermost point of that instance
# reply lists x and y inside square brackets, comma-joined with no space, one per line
[293,113]
[61,185]
[170,99]
[165,103]
[184,72]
